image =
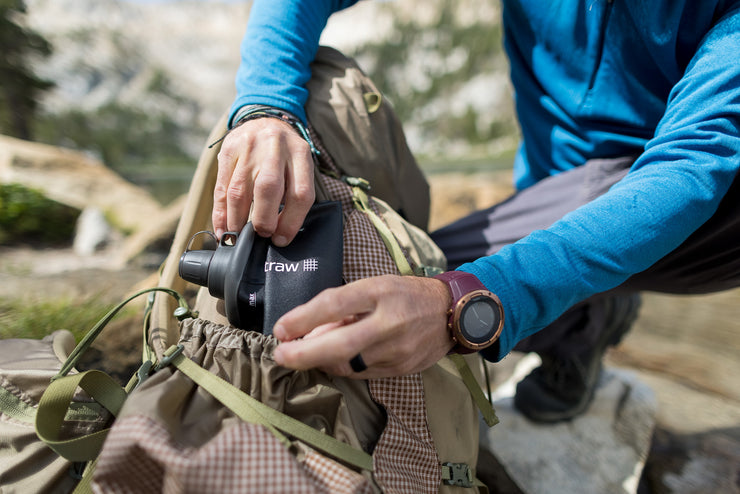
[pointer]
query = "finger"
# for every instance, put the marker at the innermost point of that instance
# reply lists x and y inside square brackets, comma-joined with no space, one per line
[332,304]
[299,194]
[239,196]
[226,164]
[331,326]
[332,347]
[232,195]
[372,370]
[337,346]
[269,183]
[379,359]
[402,328]
[402,354]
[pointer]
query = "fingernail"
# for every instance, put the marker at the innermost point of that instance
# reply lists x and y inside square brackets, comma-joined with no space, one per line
[278,331]
[278,356]
[280,241]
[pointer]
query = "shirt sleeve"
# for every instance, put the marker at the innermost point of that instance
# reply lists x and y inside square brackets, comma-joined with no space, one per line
[670,191]
[280,42]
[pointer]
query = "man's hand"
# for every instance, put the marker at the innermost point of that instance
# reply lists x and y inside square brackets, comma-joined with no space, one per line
[265,162]
[398,324]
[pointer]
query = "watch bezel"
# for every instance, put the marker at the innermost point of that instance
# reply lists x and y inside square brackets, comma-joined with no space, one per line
[455,319]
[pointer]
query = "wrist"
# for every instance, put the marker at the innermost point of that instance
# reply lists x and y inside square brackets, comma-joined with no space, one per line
[252,112]
[443,302]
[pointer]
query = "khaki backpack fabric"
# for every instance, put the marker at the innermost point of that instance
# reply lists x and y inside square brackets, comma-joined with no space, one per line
[54,418]
[362,133]
[26,463]
[210,411]
[175,436]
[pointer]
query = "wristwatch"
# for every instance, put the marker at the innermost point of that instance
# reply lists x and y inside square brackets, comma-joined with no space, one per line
[476,316]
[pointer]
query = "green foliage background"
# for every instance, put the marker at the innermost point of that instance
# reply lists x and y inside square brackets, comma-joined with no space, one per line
[124,137]
[21,319]
[26,216]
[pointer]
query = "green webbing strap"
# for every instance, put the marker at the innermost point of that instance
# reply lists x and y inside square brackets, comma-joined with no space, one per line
[489,414]
[362,203]
[147,352]
[12,406]
[254,411]
[85,343]
[55,402]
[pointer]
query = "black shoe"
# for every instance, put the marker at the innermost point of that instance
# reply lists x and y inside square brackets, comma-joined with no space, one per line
[563,387]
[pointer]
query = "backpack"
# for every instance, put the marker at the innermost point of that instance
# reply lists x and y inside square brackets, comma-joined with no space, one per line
[53,418]
[210,411]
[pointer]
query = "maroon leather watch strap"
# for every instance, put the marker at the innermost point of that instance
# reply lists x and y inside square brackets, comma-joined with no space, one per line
[464,283]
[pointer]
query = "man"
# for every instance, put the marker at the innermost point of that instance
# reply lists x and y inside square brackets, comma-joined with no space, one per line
[626,178]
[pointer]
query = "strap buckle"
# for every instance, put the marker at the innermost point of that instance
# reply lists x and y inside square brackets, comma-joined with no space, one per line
[142,374]
[457,474]
[356,182]
[171,353]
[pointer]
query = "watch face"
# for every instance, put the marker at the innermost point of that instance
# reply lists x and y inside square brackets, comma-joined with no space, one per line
[479,319]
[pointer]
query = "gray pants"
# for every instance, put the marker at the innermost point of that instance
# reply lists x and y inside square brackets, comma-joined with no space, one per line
[708,261]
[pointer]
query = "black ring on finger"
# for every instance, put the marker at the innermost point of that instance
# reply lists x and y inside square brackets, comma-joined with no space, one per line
[357,364]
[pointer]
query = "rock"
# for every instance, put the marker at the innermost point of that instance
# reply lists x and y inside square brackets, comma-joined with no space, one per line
[704,462]
[92,232]
[603,450]
[74,178]
[677,335]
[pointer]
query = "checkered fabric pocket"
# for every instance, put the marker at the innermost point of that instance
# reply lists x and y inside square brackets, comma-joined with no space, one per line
[142,456]
[174,436]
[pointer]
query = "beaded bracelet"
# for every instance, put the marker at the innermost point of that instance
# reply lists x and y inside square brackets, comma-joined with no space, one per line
[252,112]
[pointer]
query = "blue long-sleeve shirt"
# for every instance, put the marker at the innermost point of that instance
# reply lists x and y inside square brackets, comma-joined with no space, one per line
[593,79]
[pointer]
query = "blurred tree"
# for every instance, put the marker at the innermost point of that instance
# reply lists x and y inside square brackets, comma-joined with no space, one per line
[19,86]
[426,64]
